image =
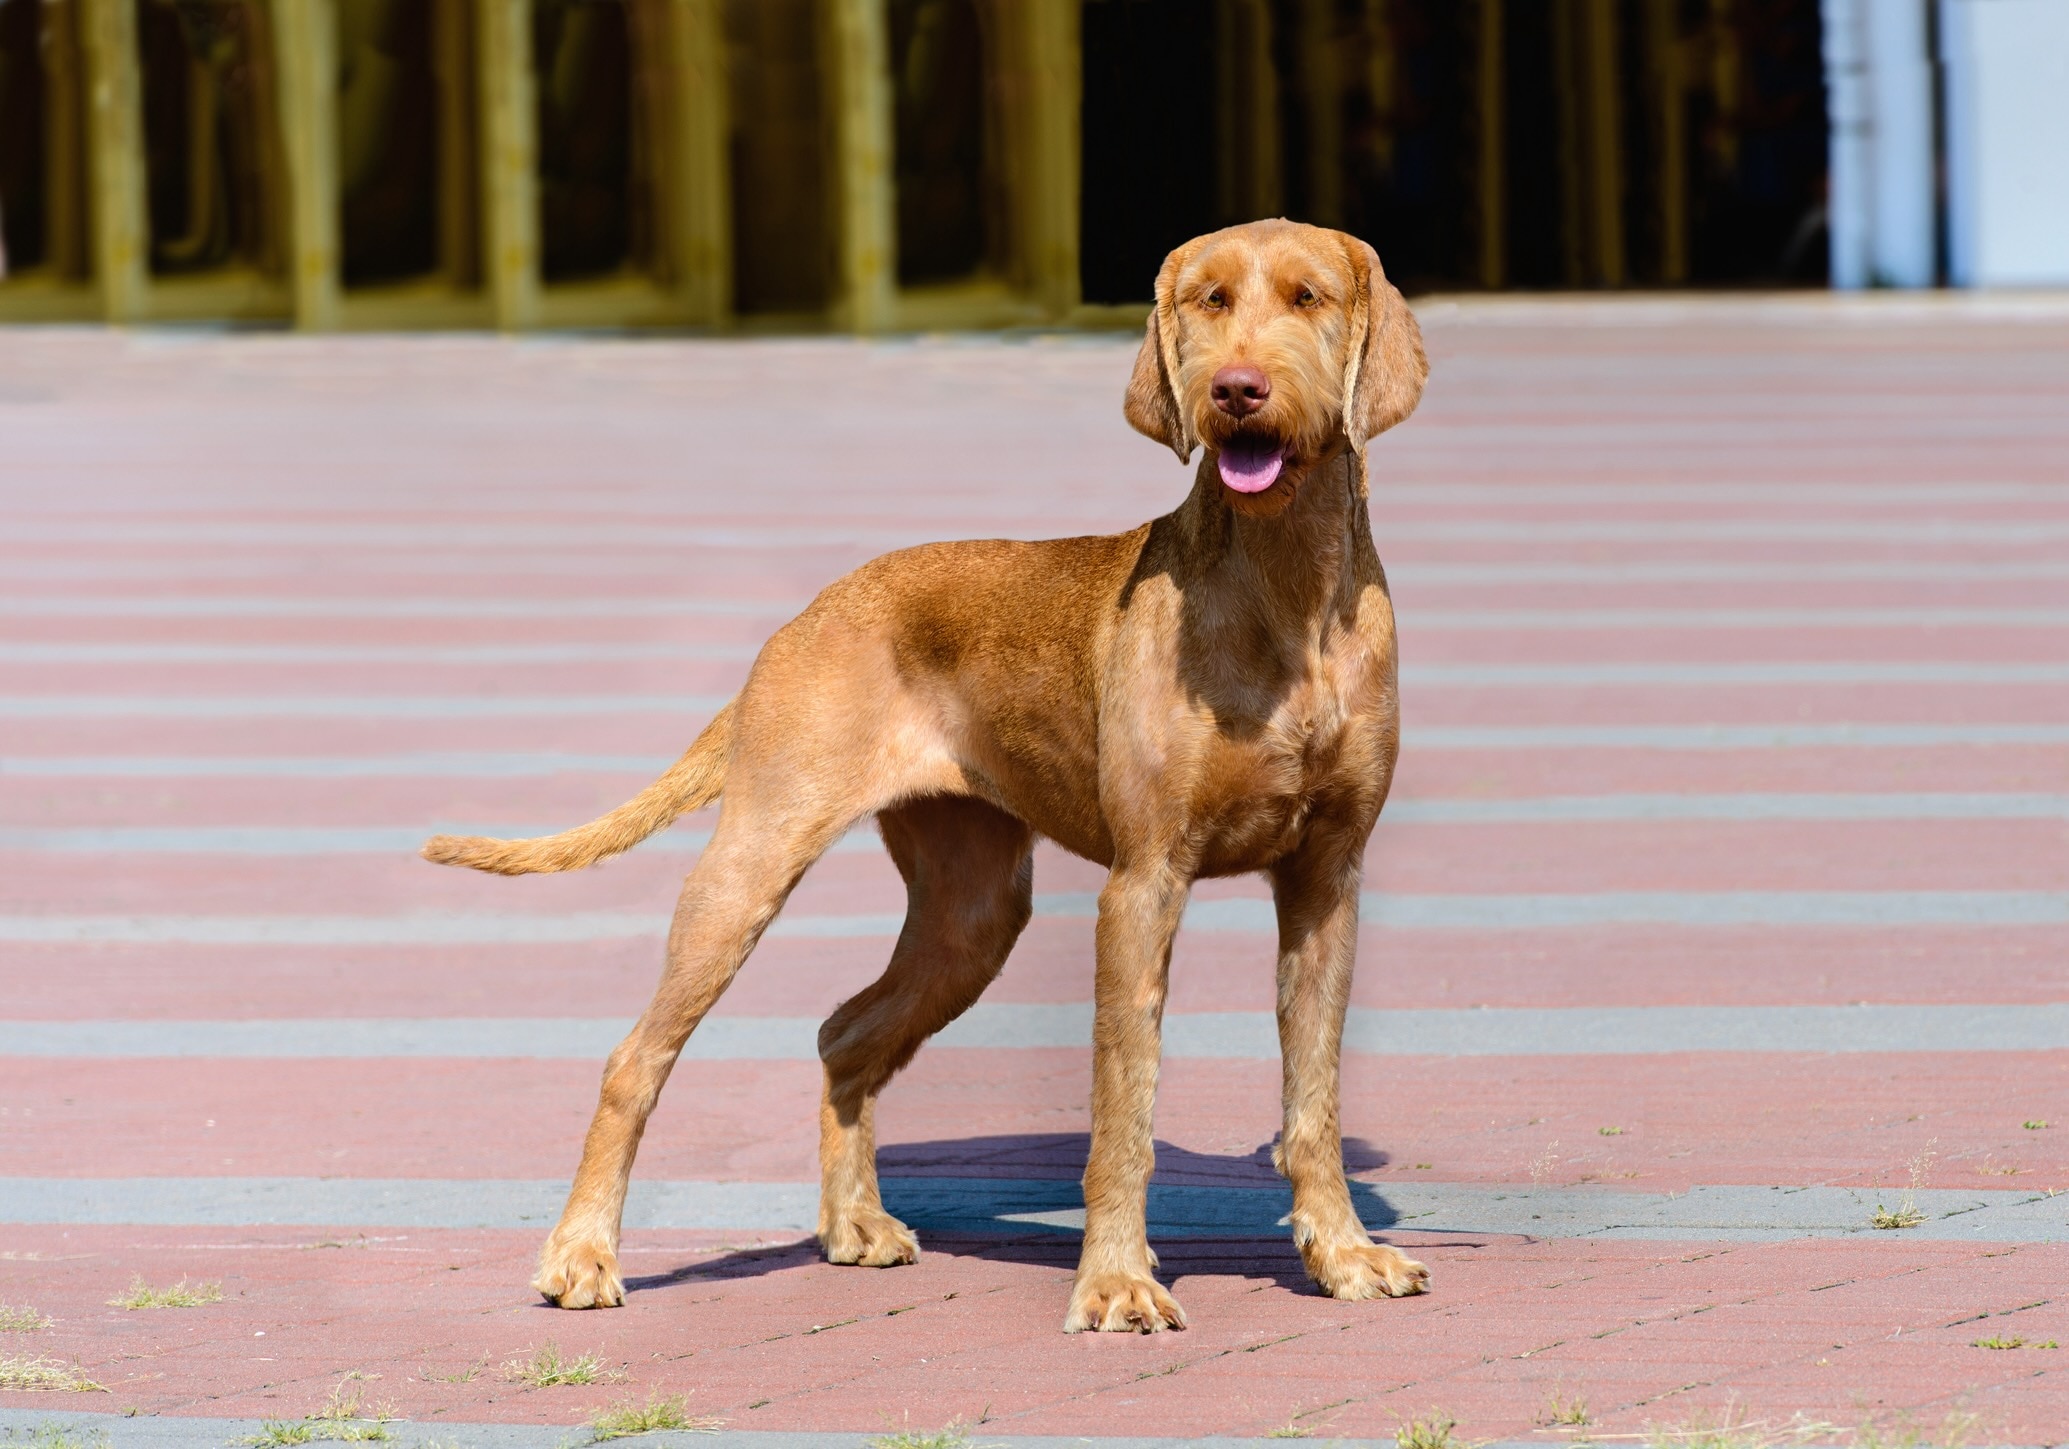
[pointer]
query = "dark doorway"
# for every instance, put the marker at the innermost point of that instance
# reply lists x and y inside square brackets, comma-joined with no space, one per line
[596,203]
[1475,143]
[211,145]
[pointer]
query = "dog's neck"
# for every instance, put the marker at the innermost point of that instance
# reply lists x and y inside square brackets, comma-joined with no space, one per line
[1307,562]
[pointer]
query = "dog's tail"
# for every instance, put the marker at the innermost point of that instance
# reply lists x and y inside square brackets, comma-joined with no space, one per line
[691,782]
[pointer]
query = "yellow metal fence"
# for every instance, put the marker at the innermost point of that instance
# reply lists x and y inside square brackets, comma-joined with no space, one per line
[873,165]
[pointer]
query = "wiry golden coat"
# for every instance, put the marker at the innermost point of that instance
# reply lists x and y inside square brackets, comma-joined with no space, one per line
[1208,694]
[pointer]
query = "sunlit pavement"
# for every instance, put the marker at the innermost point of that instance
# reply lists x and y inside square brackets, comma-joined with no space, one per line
[1719,911]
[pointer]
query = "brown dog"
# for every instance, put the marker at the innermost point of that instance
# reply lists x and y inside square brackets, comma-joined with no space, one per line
[1209,694]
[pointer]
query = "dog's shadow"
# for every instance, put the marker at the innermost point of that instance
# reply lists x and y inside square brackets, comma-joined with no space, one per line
[1017,1199]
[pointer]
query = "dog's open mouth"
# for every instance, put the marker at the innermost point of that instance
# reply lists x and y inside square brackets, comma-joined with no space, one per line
[1250,464]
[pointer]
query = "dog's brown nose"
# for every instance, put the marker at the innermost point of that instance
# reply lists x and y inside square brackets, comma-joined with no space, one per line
[1241,391]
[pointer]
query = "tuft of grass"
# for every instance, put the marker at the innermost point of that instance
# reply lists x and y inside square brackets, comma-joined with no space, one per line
[546,1369]
[1998,1340]
[466,1375]
[338,1409]
[952,1435]
[1289,1430]
[1907,1213]
[1562,1412]
[1434,1431]
[1609,1131]
[1903,1432]
[21,1318]
[58,1436]
[19,1371]
[340,1420]
[348,1431]
[2035,1124]
[622,1421]
[1733,1430]
[180,1295]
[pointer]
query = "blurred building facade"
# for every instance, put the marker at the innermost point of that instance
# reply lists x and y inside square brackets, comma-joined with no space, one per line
[874,164]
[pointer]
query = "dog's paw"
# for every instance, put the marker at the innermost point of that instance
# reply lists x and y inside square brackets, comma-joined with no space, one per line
[1365,1270]
[580,1271]
[868,1236]
[1114,1302]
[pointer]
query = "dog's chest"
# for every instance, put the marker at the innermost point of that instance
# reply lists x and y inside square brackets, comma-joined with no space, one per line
[1326,743]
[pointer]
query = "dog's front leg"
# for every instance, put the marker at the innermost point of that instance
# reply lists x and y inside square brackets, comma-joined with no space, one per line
[1317,895]
[1116,1291]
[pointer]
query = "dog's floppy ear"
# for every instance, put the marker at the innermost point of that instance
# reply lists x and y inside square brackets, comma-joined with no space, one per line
[1384,367]
[1151,405]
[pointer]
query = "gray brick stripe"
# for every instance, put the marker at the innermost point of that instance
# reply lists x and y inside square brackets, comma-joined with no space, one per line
[1648,675]
[1008,1206]
[190,1431]
[1518,912]
[186,1431]
[667,567]
[1679,737]
[1235,1035]
[514,764]
[404,839]
[345,706]
[575,533]
[645,606]
[578,653]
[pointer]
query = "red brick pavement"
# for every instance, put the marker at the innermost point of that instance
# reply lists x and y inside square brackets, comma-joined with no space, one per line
[1626,479]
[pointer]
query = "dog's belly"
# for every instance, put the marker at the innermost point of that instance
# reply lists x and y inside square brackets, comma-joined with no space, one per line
[1046,775]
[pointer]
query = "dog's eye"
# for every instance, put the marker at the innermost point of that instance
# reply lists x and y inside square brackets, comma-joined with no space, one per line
[1214,301]
[1307,298]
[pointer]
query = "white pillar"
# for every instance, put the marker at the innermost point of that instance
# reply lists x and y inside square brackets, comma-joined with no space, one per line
[1900,85]
[2007,72]
[1849,205]
[1878,83]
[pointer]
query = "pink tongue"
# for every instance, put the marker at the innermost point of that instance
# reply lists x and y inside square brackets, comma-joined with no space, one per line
[1251,466]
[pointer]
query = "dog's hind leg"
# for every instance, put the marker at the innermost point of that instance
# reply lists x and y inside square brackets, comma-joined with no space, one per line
[969,882]
[740,882]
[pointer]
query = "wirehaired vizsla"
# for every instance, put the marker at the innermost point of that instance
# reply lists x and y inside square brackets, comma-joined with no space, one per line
[1209,694]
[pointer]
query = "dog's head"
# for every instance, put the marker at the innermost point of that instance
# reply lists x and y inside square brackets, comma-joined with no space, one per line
[1277,346]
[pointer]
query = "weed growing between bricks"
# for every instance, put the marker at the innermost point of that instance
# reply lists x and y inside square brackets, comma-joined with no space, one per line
[1293,1428]
[180,1295]
[466,1375]
[20,1371]
[546,1369]
[1433,1431]
[57,1436]
[1907,1213]
[1562,1412]
[340,1420]
[623,1420]
[1733,1430]
[1955,1431]
[21,1318]
[953,1435]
